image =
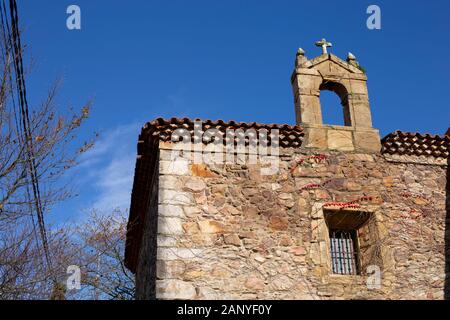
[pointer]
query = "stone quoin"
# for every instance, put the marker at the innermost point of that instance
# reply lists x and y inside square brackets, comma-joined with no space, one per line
[347,215]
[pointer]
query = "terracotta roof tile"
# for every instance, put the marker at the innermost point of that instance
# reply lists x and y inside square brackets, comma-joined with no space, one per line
[416,144]
[289,136]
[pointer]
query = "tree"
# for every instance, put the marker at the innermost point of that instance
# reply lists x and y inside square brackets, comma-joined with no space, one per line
[101,258]
[38,145]
[53,135]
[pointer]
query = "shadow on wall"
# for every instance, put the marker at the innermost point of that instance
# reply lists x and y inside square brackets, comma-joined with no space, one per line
[447,236]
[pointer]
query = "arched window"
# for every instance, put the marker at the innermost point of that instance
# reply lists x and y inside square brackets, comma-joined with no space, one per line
[334,104]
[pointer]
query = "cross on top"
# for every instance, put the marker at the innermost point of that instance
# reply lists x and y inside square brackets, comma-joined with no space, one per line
[324,44]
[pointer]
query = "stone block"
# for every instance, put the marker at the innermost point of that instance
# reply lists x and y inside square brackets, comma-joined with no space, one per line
[169,226]
[254,283]
[170,269]
[340,140]
[192,211]
[278,223]
[169,182]
[232,239]
[281,283]
[361,114]
[178,167]
[367,141]
[230,210]
[174,197]
[166,241]
[211,226]
[310,109]
[175,290]
[201,170]
[316,138]
[178,253]
[168,210]
[358,86]
[195,184]
[207,293]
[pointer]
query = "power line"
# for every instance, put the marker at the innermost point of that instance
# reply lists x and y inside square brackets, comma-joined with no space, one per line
[23,117]
[7,45]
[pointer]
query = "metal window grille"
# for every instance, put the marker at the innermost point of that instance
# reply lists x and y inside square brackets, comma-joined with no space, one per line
[344,252]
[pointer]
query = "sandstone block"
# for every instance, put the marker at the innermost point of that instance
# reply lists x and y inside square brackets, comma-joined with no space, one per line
[316,138]
[340,140]
[352,186]
[278,223]
[166,241]
[192,211]
[232,239]
[259,258]
[175,290]
[207,293]
[195,184]
[281,283]
[169,269]
[201,170]
[254,283]
[231,210]
[175,197]
[169,226]
[211,226]
[193,272]
[219,189]
[321,194]
[167,210]
[368,141]
[298,251]
[169,182]
[388,182]
[285,241]
[178,166]
[191,227]
[178,253]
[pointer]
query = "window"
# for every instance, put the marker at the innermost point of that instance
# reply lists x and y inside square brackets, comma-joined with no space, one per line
[344,252]
[348,253]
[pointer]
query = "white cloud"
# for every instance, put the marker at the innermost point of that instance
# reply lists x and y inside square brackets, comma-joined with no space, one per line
[108,169]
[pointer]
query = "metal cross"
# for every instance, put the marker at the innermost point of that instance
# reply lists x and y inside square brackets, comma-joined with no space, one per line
[324,44]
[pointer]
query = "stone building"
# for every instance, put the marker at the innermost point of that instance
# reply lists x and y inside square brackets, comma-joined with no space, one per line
[324,212]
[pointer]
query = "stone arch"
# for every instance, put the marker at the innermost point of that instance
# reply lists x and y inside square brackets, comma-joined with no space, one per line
[341,91]
[349,83]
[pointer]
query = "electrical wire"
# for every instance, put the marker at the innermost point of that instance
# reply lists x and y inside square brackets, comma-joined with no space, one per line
[22,116]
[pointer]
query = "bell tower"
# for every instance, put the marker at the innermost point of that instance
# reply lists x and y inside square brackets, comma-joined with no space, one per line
[349,81]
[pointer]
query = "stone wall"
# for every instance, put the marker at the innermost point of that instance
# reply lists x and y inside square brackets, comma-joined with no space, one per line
[227,232]
[447,234]
[146,269]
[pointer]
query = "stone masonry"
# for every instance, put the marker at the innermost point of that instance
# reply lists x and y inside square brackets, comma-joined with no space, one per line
[227,232]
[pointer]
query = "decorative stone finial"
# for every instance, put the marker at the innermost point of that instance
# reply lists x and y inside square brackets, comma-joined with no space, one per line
[351,59]
[300,58]
[324,44]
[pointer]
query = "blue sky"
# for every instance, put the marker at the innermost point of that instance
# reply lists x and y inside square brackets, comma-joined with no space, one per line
[138,60]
